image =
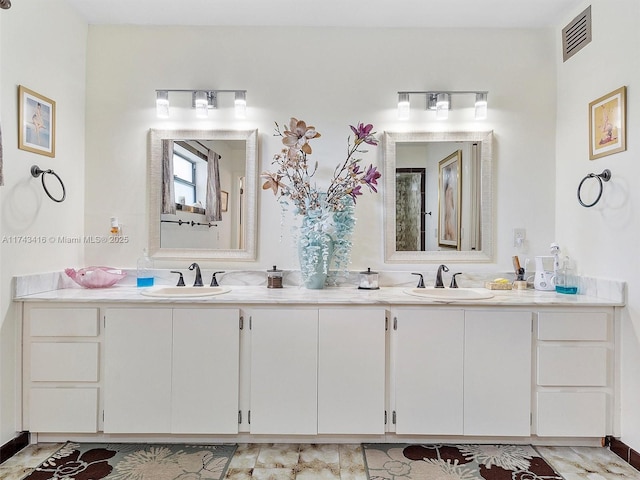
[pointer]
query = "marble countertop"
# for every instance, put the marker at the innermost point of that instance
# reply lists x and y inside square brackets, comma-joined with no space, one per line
[260,295]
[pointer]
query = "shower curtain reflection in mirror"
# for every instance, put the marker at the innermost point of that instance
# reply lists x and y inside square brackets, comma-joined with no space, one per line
[410,209]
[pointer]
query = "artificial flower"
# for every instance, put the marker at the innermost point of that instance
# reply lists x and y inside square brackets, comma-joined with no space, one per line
[293,176]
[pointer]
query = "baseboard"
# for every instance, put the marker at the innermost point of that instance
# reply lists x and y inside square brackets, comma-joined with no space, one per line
[12,447]
[625,452]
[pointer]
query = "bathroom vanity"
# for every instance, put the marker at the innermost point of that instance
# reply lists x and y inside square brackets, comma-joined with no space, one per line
[291,364]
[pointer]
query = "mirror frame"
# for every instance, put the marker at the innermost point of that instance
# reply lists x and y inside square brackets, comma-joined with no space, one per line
[390,139]
[155,191]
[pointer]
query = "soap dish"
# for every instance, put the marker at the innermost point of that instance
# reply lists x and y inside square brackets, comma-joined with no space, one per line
[497,286]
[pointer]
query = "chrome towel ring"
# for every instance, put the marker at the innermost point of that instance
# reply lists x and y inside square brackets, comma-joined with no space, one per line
[37,171]
[605,176]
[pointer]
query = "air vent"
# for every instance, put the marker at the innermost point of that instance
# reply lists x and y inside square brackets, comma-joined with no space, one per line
[576,35]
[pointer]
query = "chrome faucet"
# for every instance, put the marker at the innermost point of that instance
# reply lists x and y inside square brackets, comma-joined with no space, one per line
[441,268]
[198,280]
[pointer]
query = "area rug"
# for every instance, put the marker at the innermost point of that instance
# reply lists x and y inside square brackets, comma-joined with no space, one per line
[455,462]
[130,461]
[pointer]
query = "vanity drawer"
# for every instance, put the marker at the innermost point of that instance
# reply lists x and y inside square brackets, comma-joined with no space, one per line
[64,322]
[64,362]
[63,410]
[577,326]
[571,414]
[572,366]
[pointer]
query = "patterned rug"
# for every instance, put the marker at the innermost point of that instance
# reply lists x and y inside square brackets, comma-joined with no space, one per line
[455,462]
[131,461]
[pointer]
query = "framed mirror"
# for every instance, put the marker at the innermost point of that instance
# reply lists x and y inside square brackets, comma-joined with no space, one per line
[202,194]
[438,204]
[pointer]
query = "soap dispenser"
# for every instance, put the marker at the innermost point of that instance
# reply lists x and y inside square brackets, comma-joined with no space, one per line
[145,270]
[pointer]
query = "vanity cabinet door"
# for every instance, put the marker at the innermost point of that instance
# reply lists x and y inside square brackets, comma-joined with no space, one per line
[137,393]
[429,371]
[205,375]
[284,366]
[351,370]
[497,373]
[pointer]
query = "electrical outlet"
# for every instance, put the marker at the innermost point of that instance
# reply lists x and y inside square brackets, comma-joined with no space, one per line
[519,236]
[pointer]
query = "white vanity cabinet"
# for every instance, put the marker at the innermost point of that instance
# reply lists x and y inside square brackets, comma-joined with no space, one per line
[574,373]
[317,371]
[171,370]
[61,369]
[462,372]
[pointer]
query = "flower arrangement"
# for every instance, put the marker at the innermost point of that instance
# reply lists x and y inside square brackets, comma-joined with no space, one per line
[293,174]
[327,216]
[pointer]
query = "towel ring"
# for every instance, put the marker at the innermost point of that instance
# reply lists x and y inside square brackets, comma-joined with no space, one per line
[604,176]
[37,171]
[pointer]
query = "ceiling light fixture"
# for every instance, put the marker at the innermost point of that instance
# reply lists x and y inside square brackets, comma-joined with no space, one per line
[440,102]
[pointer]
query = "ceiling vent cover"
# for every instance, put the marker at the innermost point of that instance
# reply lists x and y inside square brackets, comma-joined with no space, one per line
[577,34]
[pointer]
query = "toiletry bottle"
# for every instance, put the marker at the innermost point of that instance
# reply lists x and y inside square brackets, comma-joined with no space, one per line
[566,281]
[145,270]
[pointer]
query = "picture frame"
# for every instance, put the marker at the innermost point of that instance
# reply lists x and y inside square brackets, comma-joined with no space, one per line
[449,200]
[224,200]
[37,122]
[607,124]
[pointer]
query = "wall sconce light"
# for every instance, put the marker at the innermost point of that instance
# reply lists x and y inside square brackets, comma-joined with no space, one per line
[442,106]
[481,106]
[241,104]
[162,104]
[202,101]
[404,107]
[440,102]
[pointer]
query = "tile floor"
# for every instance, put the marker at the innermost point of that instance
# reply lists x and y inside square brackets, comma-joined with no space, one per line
[344,462]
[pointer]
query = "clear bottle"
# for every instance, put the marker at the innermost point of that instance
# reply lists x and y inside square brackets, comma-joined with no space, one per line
[566,280]
[145,270]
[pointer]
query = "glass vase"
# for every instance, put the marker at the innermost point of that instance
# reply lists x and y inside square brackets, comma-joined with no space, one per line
[324,241]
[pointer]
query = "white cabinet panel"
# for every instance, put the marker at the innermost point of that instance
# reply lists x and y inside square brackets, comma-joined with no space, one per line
[572,414]
[63,322]
[351,371]
[137,393]
[205,372]
[429,371]
[284,363]
[572,366]
[497,373]
[63,410]
[64,362]
[568,325]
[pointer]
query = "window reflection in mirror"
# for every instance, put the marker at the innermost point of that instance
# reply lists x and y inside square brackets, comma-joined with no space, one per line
[414,200]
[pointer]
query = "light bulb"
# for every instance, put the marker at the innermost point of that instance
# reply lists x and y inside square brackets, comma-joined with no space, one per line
[481,106]
[442,106]
[162,104]
[404,106]
[201,104]
[241,104]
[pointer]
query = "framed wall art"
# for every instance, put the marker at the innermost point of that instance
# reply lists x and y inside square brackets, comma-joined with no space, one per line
[607,124]
[449,200]
[37,118]
[224,200]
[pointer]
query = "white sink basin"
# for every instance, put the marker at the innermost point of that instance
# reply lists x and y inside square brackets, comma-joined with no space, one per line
[451,294]
[183,292]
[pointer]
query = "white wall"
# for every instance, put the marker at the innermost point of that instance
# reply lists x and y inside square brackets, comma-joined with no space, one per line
[604,239]
[43,47]
[330,77]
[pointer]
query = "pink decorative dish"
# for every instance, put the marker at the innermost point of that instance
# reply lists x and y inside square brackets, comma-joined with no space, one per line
[95,277]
